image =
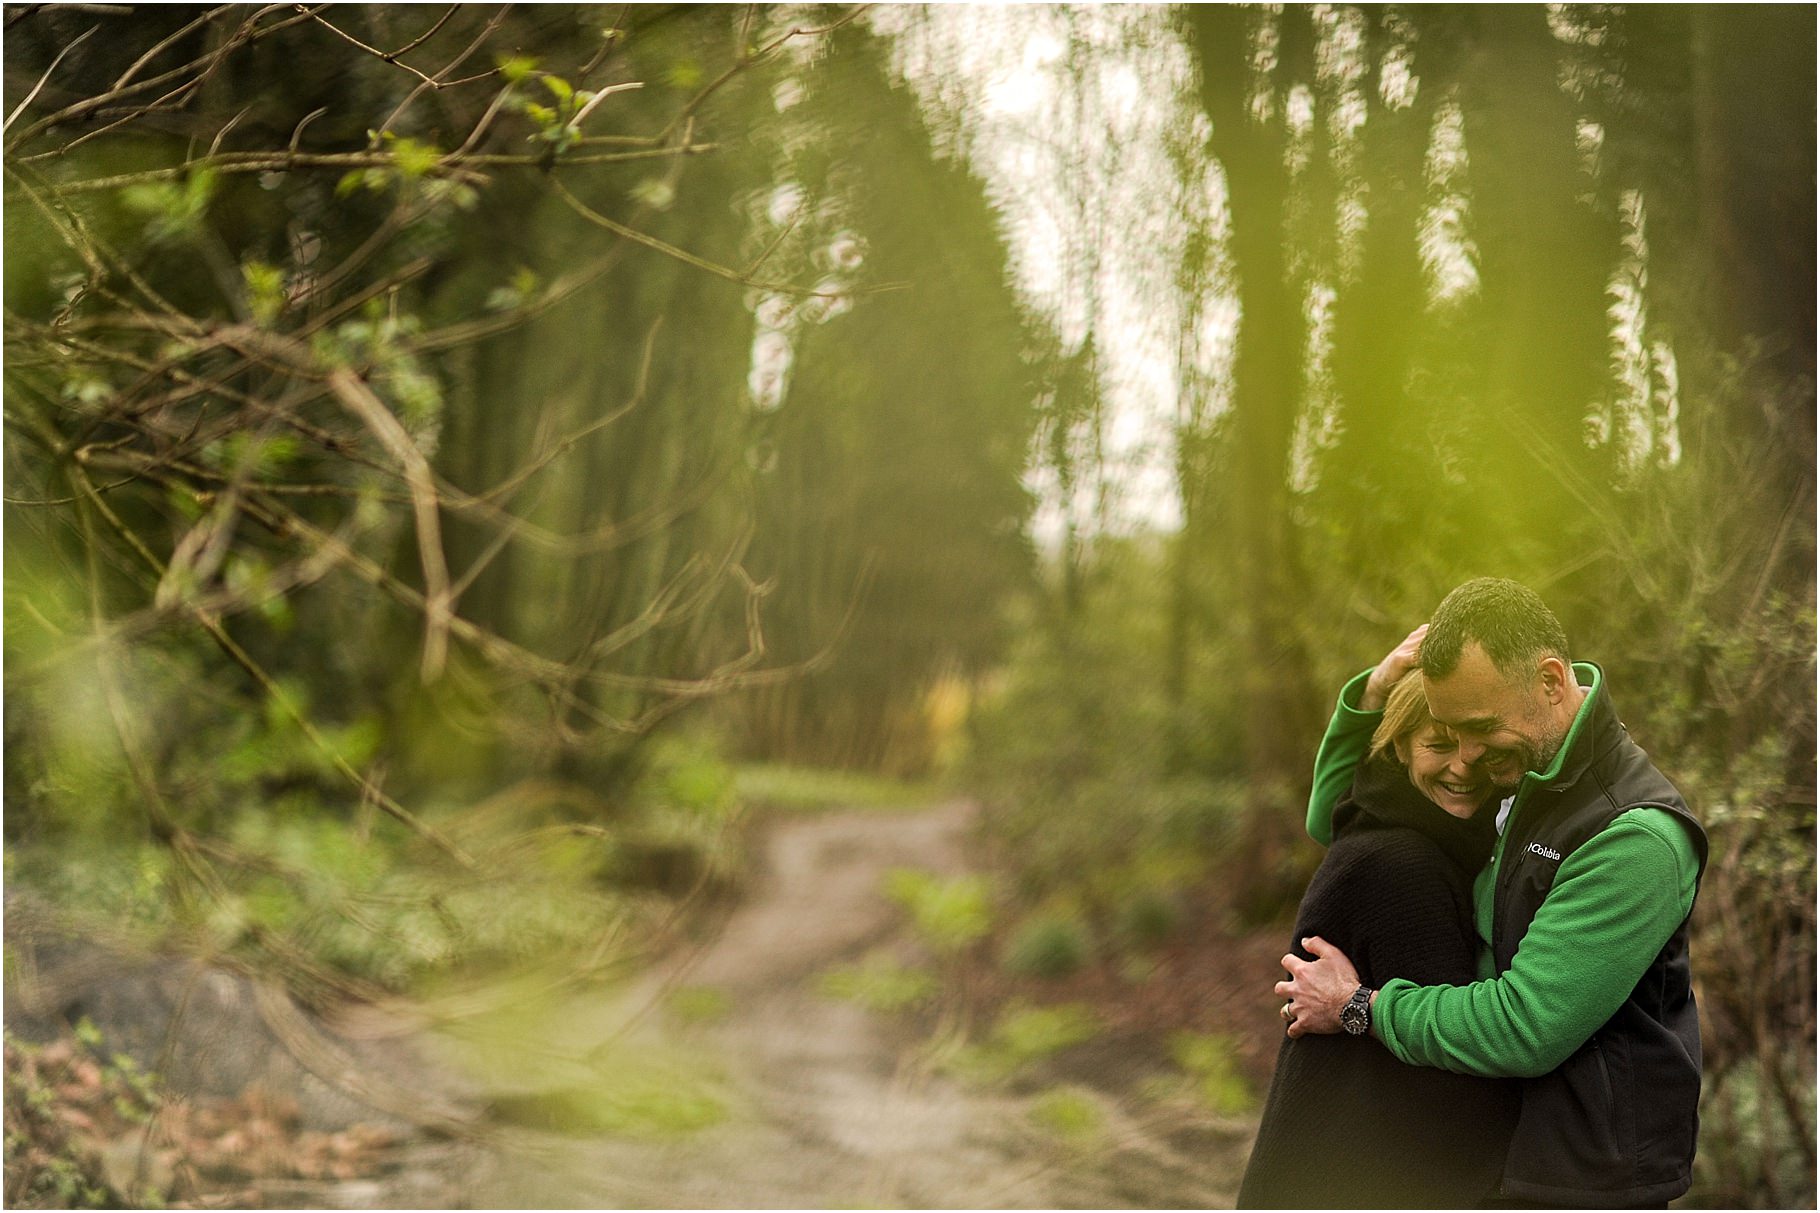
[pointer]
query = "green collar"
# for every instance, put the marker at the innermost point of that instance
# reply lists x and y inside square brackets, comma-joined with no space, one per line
[1592,678]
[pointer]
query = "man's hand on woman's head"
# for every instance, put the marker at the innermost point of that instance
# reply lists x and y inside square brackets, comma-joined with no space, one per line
[1317,989]
[1398,662]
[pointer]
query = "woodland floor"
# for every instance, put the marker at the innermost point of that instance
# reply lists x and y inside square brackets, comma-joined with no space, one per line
[768,1092]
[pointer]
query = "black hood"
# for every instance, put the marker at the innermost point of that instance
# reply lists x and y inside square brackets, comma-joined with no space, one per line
[1382,797]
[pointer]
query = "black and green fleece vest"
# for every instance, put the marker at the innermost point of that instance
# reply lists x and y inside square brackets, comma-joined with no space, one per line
[1613,1125]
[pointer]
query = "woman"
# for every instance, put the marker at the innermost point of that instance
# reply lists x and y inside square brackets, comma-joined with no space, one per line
[1346,1124]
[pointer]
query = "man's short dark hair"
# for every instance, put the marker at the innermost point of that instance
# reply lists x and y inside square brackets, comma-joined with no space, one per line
[1514,627]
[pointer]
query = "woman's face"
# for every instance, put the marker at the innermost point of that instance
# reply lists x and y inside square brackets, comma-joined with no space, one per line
[1432,755]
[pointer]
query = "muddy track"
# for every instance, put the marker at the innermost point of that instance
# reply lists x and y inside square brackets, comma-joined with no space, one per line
[728,1077]
[832,1105]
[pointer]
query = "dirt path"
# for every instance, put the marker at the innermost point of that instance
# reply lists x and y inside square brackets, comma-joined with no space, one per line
[828,1104]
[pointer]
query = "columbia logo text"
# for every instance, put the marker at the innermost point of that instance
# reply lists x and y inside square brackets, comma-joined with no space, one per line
[1536,848]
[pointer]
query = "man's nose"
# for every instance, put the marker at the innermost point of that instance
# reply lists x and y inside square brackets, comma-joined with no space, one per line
[1471,752]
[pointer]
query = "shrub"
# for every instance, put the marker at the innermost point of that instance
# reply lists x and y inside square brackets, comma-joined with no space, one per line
[1147,918]
[1207,1059]
[1068,1112]
[1025,1035]
[1047,946]
[880,984]
[948,914]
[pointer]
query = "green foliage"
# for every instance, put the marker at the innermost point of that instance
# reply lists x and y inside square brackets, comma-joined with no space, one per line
[515,69]
[558,126]
[413,159]
[1755,1144]
[684,74]
[408,174]
[265,291]
[644,1105]
[1047,945]
[1207,1059]
[649,1092]
[379,342]
[699,1004]
[1070,1113]
[1072,749]
[949,914]
[891,418]
[173,210]
[881,983]
[60,1098]
[592,1072]
[637,511]
[688,774]
[517,292]
[816,789]
[1147,918]
[1021,1037]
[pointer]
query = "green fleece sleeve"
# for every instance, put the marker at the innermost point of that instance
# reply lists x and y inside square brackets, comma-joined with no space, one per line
[1348,737]
[1614,903]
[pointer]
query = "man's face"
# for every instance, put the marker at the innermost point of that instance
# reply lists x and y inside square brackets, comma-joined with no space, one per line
[1505,726]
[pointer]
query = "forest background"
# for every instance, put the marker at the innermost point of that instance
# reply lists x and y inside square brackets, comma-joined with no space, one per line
[459,461]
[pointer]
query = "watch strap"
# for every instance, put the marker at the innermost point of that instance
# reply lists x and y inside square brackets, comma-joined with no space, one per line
[1355,1016]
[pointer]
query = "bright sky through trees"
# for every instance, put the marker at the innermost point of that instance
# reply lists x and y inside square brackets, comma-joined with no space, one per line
[1082,123]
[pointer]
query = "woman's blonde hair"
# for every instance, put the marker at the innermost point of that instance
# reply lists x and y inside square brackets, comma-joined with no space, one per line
[1405,711]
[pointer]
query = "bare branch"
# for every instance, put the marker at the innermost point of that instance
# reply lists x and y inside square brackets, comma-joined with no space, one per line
[360,400]
[390,57]
[246,34]
[39,87]
[744,60]
[183,32]
[492,27]
[424,37]
[222,134]
[670,250]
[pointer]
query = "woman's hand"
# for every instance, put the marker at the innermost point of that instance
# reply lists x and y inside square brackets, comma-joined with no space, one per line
[1398,662]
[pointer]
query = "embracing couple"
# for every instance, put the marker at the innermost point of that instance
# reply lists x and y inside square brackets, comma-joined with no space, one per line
[1488,1002]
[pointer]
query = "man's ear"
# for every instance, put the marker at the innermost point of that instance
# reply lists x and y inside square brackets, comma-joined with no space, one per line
[1556,678]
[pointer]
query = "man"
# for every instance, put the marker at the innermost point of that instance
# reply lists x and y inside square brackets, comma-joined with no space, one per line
[1581,912]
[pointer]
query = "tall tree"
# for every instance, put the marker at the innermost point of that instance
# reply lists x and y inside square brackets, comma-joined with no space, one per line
[1245,61]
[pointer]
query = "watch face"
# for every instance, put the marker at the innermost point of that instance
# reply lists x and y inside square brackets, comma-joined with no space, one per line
[1355,1016]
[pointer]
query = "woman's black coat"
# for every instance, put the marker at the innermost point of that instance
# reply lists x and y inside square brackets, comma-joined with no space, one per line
[1347,1125]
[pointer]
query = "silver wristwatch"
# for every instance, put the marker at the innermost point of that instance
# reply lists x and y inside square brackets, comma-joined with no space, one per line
[1355,1016]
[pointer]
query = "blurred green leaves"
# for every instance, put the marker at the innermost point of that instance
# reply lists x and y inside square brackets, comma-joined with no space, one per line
[949,914]
[1048,945]
[1070,1113]
[265,290]
[880,982]
[1208,1061]
[1021,1037]
[173,210]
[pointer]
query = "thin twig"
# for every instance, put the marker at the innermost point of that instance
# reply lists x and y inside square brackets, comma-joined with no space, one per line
[359,399]
[45,78]
[126,77]
[424,37]
[742,61]
[670,250]
[221,134]
[390,57]
[491,27]
[206,63]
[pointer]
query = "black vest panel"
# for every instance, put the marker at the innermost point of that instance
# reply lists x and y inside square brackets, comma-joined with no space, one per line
[1614,1125]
